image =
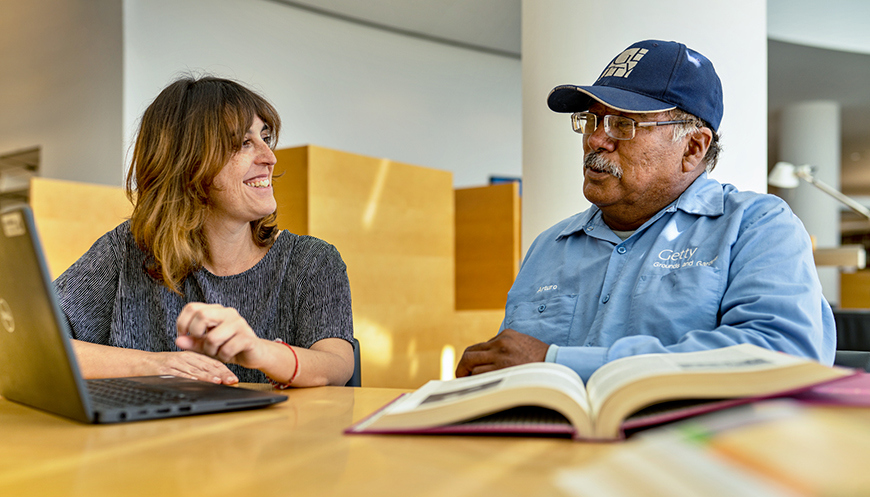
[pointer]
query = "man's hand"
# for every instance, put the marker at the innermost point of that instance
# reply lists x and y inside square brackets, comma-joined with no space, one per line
[508,348]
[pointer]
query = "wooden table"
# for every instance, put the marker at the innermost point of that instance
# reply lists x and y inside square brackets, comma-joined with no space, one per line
[295,448]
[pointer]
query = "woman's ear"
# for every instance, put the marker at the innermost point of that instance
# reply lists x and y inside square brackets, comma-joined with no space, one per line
[696,148]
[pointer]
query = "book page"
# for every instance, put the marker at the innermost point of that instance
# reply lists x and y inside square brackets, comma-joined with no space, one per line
[544,375]
[615,375]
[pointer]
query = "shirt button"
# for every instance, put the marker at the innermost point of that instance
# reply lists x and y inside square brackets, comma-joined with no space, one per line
[606,298]
[590,228]
[621,250]
[542,307]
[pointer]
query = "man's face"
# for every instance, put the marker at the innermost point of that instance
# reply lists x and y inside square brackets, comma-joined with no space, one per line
[650,165]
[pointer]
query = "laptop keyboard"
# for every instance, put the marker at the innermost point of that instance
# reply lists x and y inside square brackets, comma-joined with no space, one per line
[119,392]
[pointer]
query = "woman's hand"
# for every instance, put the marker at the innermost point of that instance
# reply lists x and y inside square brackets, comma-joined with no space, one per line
[105,361]
[191,365]
[221,333]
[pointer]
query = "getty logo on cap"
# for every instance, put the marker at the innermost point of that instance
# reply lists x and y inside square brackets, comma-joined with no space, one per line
[624,63]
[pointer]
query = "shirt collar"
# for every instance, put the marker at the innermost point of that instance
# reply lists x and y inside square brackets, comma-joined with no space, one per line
[704,197]
[589,218]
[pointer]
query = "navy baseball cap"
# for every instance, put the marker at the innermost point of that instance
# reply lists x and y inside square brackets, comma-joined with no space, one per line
[650,76]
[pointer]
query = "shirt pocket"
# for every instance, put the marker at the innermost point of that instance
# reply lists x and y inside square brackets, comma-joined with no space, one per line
[671,304]
[547,320]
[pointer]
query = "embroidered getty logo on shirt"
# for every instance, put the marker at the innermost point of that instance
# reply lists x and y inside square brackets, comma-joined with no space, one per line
[674,259]
[624,63]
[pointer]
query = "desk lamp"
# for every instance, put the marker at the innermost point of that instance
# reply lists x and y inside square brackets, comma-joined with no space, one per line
[785,175]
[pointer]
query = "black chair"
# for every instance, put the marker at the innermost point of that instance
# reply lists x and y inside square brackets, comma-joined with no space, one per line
[356,379]
[853,359]
[853,329]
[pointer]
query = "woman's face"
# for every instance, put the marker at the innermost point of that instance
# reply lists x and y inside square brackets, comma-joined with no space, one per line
[242,191]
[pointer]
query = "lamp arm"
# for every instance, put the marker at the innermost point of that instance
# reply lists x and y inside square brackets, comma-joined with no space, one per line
[852,204]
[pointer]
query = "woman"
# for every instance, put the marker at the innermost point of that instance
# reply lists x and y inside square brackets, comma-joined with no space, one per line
[199,283]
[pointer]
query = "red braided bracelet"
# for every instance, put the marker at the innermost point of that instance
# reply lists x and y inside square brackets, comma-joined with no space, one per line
[282,386]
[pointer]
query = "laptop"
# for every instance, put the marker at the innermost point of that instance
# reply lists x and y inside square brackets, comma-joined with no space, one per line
[37,364]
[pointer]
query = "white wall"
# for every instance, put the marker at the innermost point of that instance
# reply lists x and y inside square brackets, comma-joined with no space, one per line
[60,86]
[571,41]
[334,83]
[833,24]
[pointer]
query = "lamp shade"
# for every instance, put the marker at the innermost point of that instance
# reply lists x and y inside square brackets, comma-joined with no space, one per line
[783,176]
[786,175]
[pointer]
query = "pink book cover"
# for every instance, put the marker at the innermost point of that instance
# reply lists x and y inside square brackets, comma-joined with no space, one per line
[839,391]
[848,391]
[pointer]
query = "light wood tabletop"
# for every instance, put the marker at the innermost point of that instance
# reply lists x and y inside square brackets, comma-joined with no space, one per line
[293,448]
[298,448]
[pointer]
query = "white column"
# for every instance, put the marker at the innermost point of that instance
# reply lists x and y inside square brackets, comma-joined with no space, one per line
[571,41]
[810,134]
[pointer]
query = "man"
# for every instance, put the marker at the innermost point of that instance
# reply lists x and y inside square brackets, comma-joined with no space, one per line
[666,259]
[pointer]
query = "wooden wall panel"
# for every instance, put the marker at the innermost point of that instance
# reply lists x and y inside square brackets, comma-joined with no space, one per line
[855,290]
[476,326]
[71,216]
[487,245]
[393,224]
[290,184]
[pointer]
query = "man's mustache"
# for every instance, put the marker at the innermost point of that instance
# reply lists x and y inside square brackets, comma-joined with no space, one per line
[596,162]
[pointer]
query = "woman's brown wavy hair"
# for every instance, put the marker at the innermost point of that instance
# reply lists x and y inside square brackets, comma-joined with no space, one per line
[186,136]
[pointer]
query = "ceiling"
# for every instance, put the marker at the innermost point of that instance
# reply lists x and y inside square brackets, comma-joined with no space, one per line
[796,73]
[486,25]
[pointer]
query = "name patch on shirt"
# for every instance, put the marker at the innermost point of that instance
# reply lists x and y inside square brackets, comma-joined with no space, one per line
[675,259]
[547,288]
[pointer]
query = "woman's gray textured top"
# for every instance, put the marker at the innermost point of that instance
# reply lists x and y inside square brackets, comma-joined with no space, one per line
[298,292]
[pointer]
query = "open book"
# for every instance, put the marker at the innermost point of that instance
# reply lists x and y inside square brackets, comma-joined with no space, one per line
[547,398]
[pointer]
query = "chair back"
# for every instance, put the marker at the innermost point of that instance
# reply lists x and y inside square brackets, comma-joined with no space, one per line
[853,359]
[356,379]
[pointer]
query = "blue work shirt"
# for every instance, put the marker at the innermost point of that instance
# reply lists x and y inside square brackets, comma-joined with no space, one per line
[717,267]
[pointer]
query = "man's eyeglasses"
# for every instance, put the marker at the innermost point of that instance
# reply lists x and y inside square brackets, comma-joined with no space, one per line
[616,127]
